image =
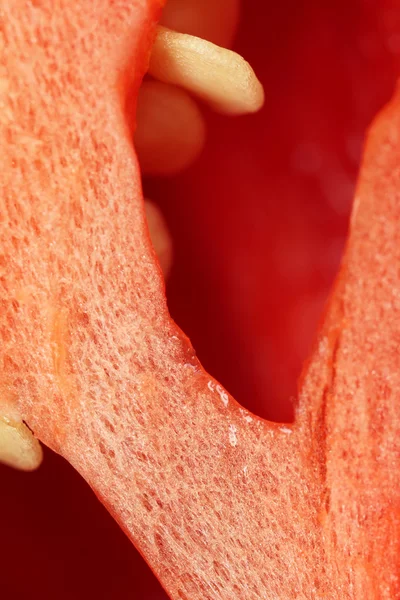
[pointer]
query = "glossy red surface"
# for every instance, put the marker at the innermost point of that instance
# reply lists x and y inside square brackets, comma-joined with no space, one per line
[260,222]
[258,225]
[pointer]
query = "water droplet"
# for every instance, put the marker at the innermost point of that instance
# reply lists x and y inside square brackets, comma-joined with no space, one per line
[232,436]
[287,430]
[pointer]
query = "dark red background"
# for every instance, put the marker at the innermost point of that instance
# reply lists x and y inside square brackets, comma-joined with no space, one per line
[258,225]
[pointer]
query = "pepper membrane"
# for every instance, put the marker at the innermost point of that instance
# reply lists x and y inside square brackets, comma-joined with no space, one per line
[216,184]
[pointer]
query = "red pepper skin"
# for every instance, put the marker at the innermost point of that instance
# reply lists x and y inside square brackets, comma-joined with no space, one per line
[322,422]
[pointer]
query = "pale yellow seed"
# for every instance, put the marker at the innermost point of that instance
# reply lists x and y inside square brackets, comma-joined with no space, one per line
[18,447]
[170,131]
[220,77]
[160,236]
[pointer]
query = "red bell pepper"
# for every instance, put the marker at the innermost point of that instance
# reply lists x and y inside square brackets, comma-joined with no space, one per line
[304,509]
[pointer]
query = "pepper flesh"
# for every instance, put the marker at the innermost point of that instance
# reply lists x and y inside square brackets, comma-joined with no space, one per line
[118,391]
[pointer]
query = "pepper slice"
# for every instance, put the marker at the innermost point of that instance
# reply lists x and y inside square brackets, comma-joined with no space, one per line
[238,489]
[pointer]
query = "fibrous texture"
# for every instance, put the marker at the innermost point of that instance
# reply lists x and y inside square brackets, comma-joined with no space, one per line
[220,503]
